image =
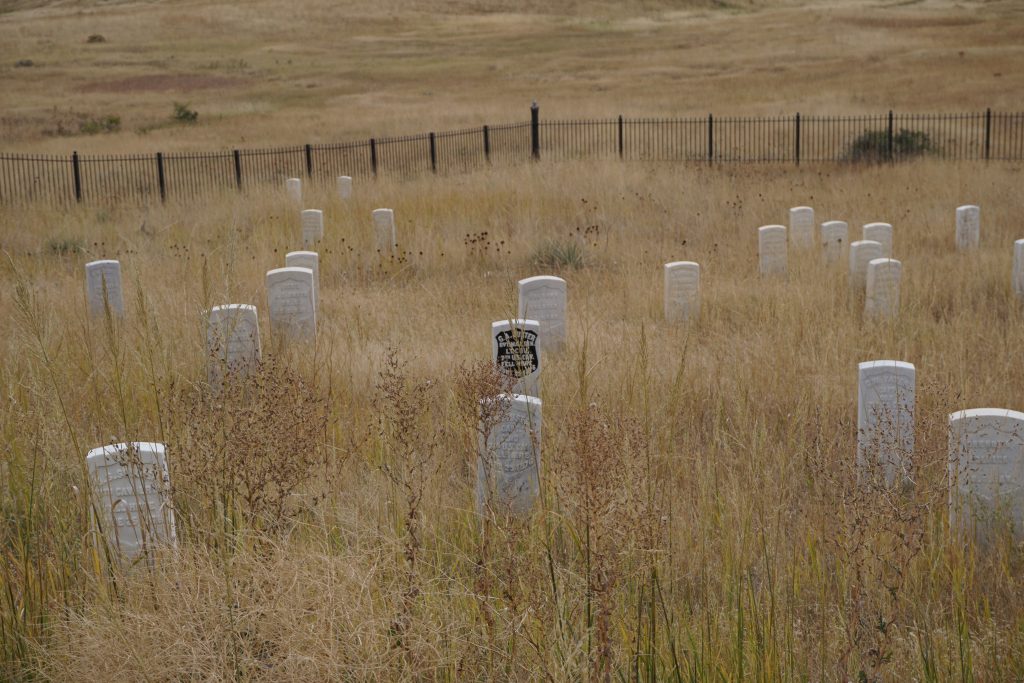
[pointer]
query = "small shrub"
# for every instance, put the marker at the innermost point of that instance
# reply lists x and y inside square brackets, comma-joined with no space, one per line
[62,247]
[101,124]
[182,113]
[558,254]
[23,63]
[872,146]
[96,38]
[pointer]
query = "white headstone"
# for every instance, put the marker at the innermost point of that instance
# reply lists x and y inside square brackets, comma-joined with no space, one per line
[883,288]
[771,249]
[835,236]
[881,233]
[968,227]
[543,298]
[103,276]
[291,302]
[384,230]
[294,187]
[682,291]
[986,470]
[306,259]
[508,461]
[232,340]
[132,502]
[344,186]
[886,392]
[515,348]
[862,252]
[1018,268]
[312,227]
[801,226]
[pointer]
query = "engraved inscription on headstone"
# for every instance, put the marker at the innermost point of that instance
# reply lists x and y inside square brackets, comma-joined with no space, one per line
[516,351]
[862,252]
[306,259]
[771,249]
[312,227]
[883,288]
[1018,268]
[968,227]
[682,291]
[104,277]
[881,233]
[132,503]
[801,226]
[232,341]
[986,471]
[344,186]
[834,240]
[294,188]
[384,233]
[291,303]
[885,420]
[508,457]
[543,298]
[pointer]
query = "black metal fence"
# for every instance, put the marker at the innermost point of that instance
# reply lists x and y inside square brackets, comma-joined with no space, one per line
[888,137]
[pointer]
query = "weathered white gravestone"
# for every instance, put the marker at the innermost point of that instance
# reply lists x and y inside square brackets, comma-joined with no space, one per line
[132,502]
[104,277]
[1018,268]
[883,288]
[834,238]
[881,233]
[771,249]
[515,349]
[306,259]
[885,419]
[801,226]
[968,227]
[508,456]
[543,298]
[312,227]
[862,252]
[986,471]
[294,187]
[232,341]
[344,186]
[291,302]
[384,230]
[682,291]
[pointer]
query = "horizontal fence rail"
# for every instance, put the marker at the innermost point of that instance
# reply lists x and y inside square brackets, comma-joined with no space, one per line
[884,138]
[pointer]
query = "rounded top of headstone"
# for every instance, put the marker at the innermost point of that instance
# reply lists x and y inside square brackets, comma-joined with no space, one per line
[383,210]
[801,208]
[771,228]
[682,264]
[102,452]
[987,412]
[541,278]
[102,262]
[301,253]
[884,262]
[878,225]
[1020,241]
[294,180]
[233,307]
[311,212]
[871,364]
[290,269]
[834,224]
[344,177]
[968,207]
[514,322]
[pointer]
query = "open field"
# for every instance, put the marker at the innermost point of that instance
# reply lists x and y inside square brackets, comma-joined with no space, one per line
[700,516]
[269,73]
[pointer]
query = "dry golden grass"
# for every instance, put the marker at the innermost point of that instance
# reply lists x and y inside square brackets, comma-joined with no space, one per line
[269,73]
[699,522]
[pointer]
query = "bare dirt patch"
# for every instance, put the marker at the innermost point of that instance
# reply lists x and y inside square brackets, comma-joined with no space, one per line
[162,83]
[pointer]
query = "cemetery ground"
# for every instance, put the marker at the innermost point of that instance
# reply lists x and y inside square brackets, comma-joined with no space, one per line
[109,77]
[700,515]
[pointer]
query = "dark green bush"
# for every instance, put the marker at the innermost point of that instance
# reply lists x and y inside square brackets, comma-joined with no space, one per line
[100,124]
[872,146]
[183,114]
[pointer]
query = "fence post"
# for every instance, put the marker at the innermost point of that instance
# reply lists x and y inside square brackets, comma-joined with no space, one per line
[373,156]
[238,169]
[711,138]
[988,133]
[433,153]
[309,160]
[621,145]
[76,171]
[798,138]
[160,176]
[487,144]
[535,130]
[890,140]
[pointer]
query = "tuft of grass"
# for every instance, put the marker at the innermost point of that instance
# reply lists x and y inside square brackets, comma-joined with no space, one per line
[559,254]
